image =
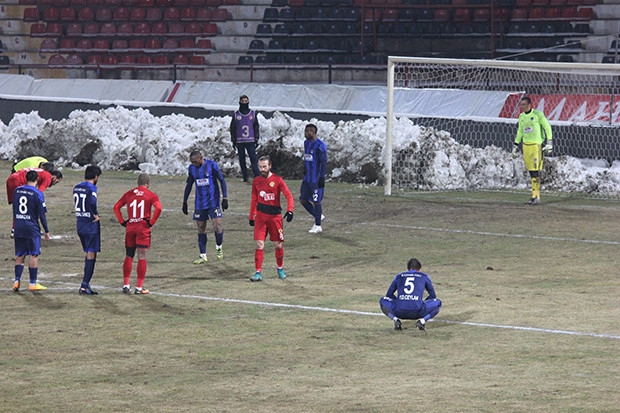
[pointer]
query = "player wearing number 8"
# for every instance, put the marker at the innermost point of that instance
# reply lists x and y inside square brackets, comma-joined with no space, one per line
[409,286]
[140,203]
[88,224]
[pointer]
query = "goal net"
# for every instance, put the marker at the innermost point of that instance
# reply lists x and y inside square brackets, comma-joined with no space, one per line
[464,117]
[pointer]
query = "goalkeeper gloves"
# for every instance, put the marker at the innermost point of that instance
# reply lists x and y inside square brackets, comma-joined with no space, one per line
[548,148]
[224,204]
[515,151]
[184,208]
[288,216]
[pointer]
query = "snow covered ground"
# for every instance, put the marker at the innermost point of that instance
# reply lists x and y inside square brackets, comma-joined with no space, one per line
[119,138]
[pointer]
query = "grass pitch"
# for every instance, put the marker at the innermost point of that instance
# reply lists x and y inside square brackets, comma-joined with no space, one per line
[529,321]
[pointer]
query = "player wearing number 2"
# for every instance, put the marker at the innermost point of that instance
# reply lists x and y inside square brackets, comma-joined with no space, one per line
[140,203]
[88,225]
[409,286]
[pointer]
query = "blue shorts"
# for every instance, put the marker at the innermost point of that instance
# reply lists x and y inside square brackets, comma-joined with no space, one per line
[205,214]
[307,193]
[28,246]
[90,242]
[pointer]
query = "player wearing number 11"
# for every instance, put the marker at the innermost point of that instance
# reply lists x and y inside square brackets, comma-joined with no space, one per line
[409,286]
[140,202]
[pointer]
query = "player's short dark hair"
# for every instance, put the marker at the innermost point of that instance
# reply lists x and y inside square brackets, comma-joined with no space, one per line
[244,97]
[57,174]
[311,126]
[47,166]
[91,172]
[414,264]
[144,179]
[32,176]
[195,152]
[265,158]
[527,99]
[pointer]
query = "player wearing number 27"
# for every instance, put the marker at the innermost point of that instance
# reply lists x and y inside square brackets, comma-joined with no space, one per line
[409,286]
[140,203]
[534,132]
[266,215]
[88,224]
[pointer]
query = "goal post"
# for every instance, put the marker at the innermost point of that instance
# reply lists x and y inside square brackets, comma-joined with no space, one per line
[475,103]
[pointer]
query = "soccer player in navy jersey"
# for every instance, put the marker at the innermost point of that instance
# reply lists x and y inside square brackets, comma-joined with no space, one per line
[266,215]
[143,210]
[409,286]
[206,175]
[28,209]
[88,224]
[245,132]
[313,183]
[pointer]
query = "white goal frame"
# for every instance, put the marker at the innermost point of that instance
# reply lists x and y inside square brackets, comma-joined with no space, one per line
[566,69]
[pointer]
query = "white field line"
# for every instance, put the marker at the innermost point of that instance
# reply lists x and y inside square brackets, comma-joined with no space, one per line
[341,311]
[494,234]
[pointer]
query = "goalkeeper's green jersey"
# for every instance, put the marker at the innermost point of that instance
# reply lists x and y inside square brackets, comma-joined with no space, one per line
[533,128]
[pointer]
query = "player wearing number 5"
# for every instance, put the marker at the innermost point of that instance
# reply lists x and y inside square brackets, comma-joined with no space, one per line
[403,299]
[88,224]
[143,210]
[244,132]
[534,132]
[28,209]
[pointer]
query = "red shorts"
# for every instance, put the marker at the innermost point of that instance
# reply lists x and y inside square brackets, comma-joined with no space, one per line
[268,224]
[12,182]
[138,235]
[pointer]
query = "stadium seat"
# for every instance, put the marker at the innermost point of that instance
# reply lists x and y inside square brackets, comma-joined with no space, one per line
[540,3]
[137,14]
[66,44]
[276,45]
[114,3]
[536,13]
[553,13]
[180,60]
[220,15]
[585,13]
[461,15]
[67,14]
[261,60]
[193,28]
[608,59]
[188,14]
[153,15]
[372,15]
[31,14]
[557,3]
[144,60]
[152,44]
[164,3]
[264,30]
[161,60]
[176,29]
[142,28]
[170,44]
[56,60]
[523,3]
[172,14]
[213,3]
[120,14]
[245,60]
[204,15]
[187,44]
[256,46]
[569,13]
[53,30]
[565,58]
[86,14]
[281,29]
[103,15]
[91,29]
[481,15]
[441,15]
[127,59]
[101,45]
[159,28]
[270,14]
[125,28]
[51,14]
[121,44]
[295,3]
[196,3]
[136,44]
[389,15]
[94,59]
[286,15]
[108,29]
[197,60]
[204,45]
[209,29]
[74,29]
[519,15]
[49,45]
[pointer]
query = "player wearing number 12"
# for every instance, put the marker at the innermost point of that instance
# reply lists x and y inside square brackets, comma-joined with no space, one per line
[143,210]
[88,224]
[409,286]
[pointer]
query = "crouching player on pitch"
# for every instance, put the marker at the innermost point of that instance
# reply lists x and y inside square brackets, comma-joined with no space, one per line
[409,287]
[266,215]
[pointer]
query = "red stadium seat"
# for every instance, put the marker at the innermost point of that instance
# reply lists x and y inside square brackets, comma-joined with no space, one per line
[136,44]
[482,15]
[74,29]
[78,3]
[137,14]
[197,60]
[170,44]
[164,3]
[94,59]
[86,14]
[37,29]
[101,45]
[213,3]
[188,14]
[176,29]
[569,13]
[125,28]
[53,30]
[233,2]
[186,44]
[84,44]
[389,15]
[172,13]
[121,14]
[180,60]
[371,15]
[161,60]
[67,14]
[553,13]
[48,45]
[461,15]
[153,15]
[31,14]
[441,15]
[147,3]
[159,28]
[66,44]
[108,29]
[540,3]
[536,13]
[556,3]
[193,28]
[51,15]
[103,15]
[152,44]
[56,60]
[204,15]
[91,29]
[127,59]
[220,15]
[120,44]
[114,2]
[209,29]
[144,60]
[142,28]
[205,45]
[196,3]
[585,13]
[60,3]
[74,60]
[523,3]
[519,15]
[110,59]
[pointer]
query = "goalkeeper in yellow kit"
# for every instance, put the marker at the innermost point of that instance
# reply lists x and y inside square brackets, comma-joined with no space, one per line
[534,133]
